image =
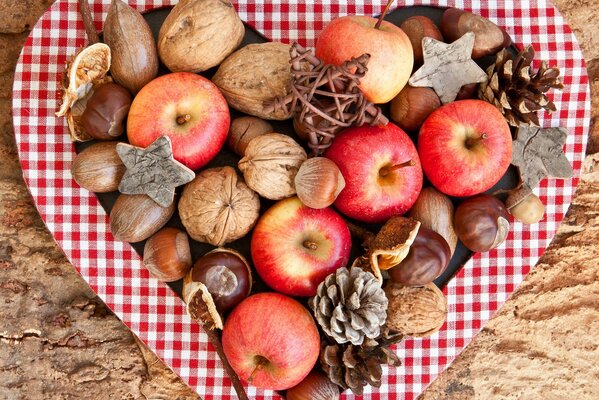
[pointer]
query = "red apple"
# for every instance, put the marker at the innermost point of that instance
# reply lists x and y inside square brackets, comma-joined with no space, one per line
[187,108]
[271,341]
[294,247]
[465,147]
[391,55]
[382,172]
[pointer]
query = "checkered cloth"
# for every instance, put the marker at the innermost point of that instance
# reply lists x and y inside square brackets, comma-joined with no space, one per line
[113,269]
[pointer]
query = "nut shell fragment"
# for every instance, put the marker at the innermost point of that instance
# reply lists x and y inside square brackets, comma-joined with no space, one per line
[200,306]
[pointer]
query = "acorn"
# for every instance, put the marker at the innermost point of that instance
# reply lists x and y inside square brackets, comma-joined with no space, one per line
[167,255]
[412,106]
[525,206]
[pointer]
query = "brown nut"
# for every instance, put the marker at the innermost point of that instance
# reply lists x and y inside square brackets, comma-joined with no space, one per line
[315,386]
[105,112]
[412,106]
[525,206]
[417,28]
[468,91]
[244,129]
[481,222]
[434,210]
[136,217]
[225,273]
[489,38]
[415,311]
[167,255]
[98,168]
[428,257]
[318,182]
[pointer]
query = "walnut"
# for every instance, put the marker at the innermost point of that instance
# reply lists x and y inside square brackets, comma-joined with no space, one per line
[415,311]
[217,207]
[270,164]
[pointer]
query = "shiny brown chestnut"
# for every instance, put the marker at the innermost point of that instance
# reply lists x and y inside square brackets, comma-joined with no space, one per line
[481,222]
[105,112]
[167,255]
[225,273]
[428,257]
[315,386]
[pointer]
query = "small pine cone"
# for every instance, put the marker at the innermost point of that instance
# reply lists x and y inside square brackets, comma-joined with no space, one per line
[354,367]
[516,90]
[350,305]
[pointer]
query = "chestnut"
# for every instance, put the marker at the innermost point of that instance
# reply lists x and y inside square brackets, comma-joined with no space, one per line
[315,386]
[225,273]
[105,112]
[417,28]
[428,257]
[481,222]
[167,255]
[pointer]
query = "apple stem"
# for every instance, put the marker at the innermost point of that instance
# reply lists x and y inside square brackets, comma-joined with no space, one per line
[387,170]
[260,363]
[310,245]
[218,346]
[382,16]
[181,119]
[471,142]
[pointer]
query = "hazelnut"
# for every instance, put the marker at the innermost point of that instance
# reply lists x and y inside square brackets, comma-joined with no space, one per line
[415,311]
[428,257]
[136,217]
[225,273]
[318,182]
[167,255]
[315,386]
[481,222]
[98,168]
[243,130]
[525,206]
[105,112]
[412,106]
[417,28]
[270,164]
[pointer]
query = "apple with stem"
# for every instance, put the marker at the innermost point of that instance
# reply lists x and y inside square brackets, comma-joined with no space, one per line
[295,247]
[271,341]
[465,147]
[391,55]
[381,169]
[187,108]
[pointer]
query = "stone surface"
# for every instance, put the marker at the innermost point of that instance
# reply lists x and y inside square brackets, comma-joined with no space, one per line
[57,338]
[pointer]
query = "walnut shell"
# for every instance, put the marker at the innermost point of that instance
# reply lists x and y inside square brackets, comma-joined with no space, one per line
[253,75]
[270,164]
[415,311]
[198,34]
[217,207]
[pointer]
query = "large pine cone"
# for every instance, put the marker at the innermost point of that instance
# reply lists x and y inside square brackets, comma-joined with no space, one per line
[353,367]
[516,90]
[350,305]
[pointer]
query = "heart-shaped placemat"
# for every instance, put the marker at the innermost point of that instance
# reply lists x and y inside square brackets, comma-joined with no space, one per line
[152,310]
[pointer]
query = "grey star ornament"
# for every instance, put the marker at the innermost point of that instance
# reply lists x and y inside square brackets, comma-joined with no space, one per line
[448,67]
[153,171]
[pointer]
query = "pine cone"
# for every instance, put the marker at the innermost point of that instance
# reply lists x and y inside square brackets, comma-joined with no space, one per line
[350,305]
[353,367]
[518,92]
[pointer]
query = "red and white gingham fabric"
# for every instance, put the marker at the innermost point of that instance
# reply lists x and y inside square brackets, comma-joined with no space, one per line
[154,312]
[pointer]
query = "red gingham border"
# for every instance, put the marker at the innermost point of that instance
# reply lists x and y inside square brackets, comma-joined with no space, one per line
[152,310]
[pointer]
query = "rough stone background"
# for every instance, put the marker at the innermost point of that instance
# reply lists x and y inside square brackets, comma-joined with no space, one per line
[59,341]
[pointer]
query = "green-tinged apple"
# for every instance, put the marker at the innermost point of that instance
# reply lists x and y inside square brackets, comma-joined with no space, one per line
[465,147]
[382,172]
[187,108]
[271,341]
[391,55]
[294,247]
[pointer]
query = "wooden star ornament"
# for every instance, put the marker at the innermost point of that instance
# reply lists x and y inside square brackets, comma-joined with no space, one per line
[153,171]
[448,67]
[538,153]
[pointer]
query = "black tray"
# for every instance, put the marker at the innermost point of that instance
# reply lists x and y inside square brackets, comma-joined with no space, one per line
[155,19]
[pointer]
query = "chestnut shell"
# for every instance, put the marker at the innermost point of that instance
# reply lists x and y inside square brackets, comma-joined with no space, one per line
[476,222]
[226,275]
[428,257]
